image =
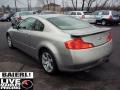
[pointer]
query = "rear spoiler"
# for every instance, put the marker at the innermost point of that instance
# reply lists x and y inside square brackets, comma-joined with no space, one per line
[87,34]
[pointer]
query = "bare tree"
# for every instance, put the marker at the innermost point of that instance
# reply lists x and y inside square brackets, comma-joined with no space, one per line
[73,4]
[104,4]
[83,5]
[8,8]
[3,8]
[42,2]
[47,1]
[76,4]
[97,4]
[89,4]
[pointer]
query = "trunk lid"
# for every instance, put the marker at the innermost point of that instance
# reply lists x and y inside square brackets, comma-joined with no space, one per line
[94,35]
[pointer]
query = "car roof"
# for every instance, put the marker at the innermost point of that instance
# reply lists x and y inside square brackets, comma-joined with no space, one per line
[24,11]
[51,15]
[77,11]
[48,11]
[105,10]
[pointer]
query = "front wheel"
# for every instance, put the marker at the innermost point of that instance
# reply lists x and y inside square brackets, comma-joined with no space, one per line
[104,22]
[48,62]
[9,41]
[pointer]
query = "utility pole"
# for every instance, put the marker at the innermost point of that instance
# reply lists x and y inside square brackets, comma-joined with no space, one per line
[63,5]
[29,5]
[76,4]
[54,5]
[15,5]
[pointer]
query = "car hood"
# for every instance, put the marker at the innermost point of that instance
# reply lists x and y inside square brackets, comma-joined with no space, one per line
[86,31]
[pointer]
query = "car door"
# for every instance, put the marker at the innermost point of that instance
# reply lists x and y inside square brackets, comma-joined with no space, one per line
[36,37]
[22,36]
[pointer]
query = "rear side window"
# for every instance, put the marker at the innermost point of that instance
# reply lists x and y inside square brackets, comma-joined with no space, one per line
[95,13]
[78,13]
[105,12]
[73,13]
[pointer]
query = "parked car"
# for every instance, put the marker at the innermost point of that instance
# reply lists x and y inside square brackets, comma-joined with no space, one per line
[1,14]
[107,17]
[83,15]
[19,16]
[6,17]
[61,42]
[48,12]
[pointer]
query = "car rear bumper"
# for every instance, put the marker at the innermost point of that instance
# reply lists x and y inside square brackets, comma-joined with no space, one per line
[113,21]
[90,20]
[85,59]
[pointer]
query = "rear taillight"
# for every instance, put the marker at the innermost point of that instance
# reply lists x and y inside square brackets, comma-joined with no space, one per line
[83,16]
[78,43]
[110,18]
[109,37]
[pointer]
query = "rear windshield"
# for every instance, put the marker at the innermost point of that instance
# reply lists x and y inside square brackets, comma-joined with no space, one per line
[68,23]
[26,13]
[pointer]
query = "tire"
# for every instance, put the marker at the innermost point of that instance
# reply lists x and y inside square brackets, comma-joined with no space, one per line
[9,41]
[96,22]
[104,22]
[116,24]
[48,62]
[8,20]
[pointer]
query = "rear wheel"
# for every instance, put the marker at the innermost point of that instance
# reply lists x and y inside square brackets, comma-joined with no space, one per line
[8,20]
[48,61]
[116,23]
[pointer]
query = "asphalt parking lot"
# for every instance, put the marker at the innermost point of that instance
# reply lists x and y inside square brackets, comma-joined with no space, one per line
[104,77]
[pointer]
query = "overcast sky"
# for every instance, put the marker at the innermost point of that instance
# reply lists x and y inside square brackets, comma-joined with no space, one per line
[23,3]
[37,3]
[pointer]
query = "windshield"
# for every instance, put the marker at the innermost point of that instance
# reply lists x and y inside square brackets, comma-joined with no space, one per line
[68,23]
[26,13]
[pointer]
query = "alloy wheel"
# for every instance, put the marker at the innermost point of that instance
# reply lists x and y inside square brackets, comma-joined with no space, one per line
[47,62]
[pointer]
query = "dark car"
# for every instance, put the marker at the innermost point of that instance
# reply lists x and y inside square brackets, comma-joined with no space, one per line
[107,17]
[6,17]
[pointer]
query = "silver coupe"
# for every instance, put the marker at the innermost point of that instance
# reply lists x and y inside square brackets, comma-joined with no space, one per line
[61,42]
